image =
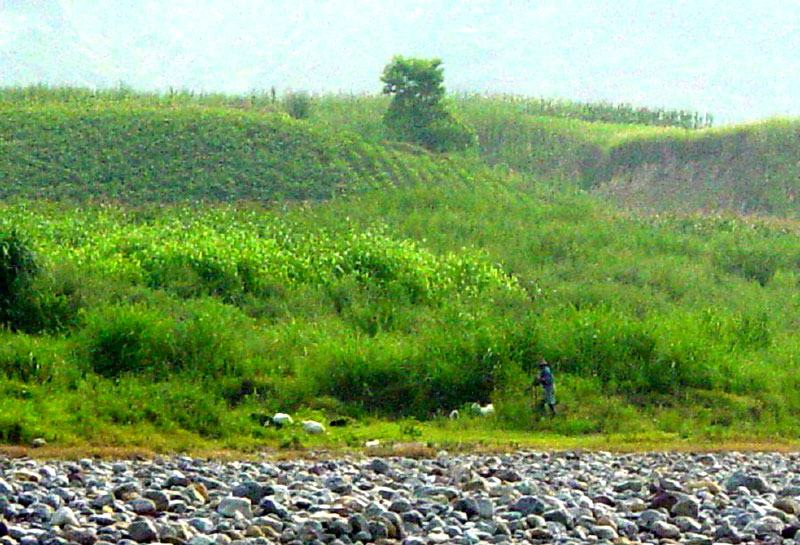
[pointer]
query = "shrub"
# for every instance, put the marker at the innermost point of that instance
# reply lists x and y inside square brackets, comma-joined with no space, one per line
[27,359]
[447,134]
[417,112]
[298,105]
[123,340]
[18,268]
[750,260]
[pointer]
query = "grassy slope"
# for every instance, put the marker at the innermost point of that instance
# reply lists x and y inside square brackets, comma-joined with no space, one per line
[136,153]
[386,303]
[744,169]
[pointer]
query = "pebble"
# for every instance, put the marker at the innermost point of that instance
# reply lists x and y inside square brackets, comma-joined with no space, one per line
[565,498]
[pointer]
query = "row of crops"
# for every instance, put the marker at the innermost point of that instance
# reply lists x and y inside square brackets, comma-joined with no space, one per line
[603,112]
[136,153]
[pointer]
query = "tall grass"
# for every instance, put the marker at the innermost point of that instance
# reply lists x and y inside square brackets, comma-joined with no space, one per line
[288,309]
[439,286]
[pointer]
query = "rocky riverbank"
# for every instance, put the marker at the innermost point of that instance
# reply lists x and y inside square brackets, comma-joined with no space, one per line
[564,498]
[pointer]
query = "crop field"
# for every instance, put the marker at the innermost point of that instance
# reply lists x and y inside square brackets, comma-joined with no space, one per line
[176,267]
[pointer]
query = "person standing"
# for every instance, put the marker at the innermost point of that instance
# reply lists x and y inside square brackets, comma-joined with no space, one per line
[545,379]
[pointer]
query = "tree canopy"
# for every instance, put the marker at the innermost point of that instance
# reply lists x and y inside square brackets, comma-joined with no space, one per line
[417,112]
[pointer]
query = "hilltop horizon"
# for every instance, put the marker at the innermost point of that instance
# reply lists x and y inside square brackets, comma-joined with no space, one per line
[735,62]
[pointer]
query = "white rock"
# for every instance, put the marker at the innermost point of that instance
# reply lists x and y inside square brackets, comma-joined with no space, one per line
[665,530]
[64,516]
[230,506]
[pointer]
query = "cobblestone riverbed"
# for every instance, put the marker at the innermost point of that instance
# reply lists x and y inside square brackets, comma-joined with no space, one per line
[523,497]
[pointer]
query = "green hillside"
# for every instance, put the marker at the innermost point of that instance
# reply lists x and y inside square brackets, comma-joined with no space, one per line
[749,169]
[136,315]
[133,152]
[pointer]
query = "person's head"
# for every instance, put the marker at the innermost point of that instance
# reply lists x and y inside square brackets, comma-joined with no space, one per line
[542,362]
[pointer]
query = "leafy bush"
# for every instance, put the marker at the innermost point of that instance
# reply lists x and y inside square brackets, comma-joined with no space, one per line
[298,105]
[136,339]
[123,339]
[18,268]
[446,134]
[751,261]
[27,359]
[417,112]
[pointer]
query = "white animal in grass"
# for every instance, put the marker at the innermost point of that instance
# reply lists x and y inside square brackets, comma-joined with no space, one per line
[313,427]
[282,419]
[487,410]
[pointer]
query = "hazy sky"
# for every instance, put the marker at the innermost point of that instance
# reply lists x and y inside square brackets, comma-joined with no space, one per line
[737,60]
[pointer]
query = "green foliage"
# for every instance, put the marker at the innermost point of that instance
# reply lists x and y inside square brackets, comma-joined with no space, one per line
[747,169]
[438,288]
[29,359]
[417,112]
[18,268]
[298,105]
[755,261]
[136,339]
[596,112]
[131,152]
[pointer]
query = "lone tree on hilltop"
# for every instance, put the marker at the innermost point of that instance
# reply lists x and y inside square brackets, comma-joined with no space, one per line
[417,112]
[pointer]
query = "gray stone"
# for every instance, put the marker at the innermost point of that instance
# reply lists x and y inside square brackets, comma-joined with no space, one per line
[605,532]
[631,484]
[696,539]
[143,506]
[64,516]
[270,506]
[754,483]
[201,524]
[101,501]
[379,466]
[231,505]
[251,490]
[529,505]
[687,524]
[400,505]
[765,526]
[792,490]
[687,507]
[143,531]
[5,488]
[127,491]
[665,530]
[338,484]
[468,506]
[485,508]
[560,516]
[648,518]
[176,478]
[82,536]
[508,475]
[159,498]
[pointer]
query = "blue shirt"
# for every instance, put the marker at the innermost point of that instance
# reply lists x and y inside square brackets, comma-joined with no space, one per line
[546,377]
